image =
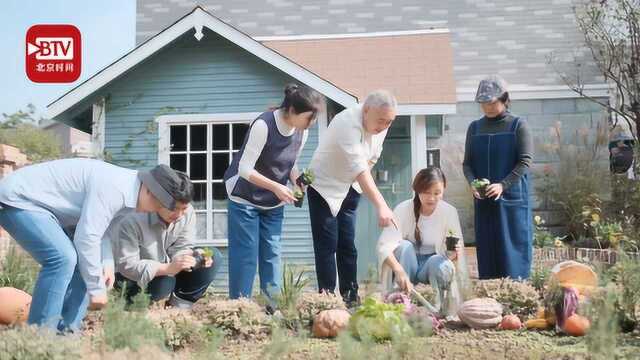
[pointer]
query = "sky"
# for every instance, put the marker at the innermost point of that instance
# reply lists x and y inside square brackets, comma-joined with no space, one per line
[107,29]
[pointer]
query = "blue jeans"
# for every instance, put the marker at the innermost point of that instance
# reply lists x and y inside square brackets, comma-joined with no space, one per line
[433,269]
[254,242]
[60,296]
[334,243]
[187,285]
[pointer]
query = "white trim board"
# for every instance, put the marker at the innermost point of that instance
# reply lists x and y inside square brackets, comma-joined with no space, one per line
[523,92]
[352,35]
[426,109]
[197,19]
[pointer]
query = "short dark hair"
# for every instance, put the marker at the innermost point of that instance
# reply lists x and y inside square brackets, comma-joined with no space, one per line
[301,99]
[183,190]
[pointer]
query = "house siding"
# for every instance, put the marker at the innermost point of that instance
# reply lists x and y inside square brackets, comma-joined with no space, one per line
[190,77]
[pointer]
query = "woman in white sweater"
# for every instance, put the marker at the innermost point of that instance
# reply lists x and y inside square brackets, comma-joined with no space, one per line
[416,251]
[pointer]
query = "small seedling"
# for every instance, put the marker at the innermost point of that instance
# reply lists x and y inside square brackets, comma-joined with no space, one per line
[306,178]
[481,186]
[201,256]
[299,195]
[452,240]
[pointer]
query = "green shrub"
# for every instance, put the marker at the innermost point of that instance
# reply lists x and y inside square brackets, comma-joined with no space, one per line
[518,297]
[33,343]
[239,318]
[539,276]
[124,329]
[18,270]
[310,304]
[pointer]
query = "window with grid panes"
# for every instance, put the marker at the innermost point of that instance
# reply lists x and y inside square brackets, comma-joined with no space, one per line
[204,151]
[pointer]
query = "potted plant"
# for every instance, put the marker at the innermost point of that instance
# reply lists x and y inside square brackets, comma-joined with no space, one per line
[306,178]
[299,195]
[480,185]
[452,240]
[201,255]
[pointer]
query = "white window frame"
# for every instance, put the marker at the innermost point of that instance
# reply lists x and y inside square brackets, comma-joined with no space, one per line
[164,124]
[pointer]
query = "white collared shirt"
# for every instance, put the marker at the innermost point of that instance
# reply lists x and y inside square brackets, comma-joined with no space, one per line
[344,152]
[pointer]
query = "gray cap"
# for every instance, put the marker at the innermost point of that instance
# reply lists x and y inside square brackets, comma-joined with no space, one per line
[162,181]
[490,89]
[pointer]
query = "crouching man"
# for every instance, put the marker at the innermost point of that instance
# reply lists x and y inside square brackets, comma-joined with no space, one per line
[157,252]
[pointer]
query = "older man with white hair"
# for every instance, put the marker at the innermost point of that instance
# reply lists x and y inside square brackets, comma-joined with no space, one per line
[342,165]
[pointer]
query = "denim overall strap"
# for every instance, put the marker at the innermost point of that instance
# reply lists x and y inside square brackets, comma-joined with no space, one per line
[503,226]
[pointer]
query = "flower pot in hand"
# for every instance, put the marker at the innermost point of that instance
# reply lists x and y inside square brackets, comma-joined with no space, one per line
[306,178]
[201,257]
[480,185]
[299,195]
[451,242]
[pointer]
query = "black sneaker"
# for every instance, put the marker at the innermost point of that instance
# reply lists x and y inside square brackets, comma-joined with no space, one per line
[351,299]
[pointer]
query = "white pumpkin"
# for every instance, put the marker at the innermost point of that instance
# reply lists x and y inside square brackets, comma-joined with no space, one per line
[481,313]
[14,306]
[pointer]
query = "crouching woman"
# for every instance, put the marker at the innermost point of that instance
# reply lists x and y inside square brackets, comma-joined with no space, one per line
[416,251]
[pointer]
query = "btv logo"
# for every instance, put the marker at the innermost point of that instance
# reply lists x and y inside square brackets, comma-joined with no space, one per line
[53,53]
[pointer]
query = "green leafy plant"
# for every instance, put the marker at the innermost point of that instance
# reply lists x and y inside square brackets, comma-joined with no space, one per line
[207,252]
[480,185]
[539,276]
[306,178]
[294,282]
[130,329]
[379,321]
[542,237]
[18,270]
[626,274]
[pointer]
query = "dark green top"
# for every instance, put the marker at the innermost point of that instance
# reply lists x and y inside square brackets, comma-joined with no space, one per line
[500,124]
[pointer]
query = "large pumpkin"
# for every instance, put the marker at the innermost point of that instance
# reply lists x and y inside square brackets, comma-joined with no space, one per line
[576,325]
[481,313]
[576,275]
[14,306]
[329,323]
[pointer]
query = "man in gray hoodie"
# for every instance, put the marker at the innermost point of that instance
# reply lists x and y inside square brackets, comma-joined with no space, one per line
[157,252]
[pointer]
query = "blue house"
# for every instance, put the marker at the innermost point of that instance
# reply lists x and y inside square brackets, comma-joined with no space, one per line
[186,95]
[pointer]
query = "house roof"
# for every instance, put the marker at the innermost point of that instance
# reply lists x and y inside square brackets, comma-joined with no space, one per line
[416,66]
[514,39]
[196,19]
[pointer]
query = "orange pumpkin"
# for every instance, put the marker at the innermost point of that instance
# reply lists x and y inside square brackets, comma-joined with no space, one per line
[510,322]
[576,325]
[329,323]
[14,306]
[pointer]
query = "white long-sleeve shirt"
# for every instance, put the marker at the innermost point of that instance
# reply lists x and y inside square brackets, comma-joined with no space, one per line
[345,151]
[253,148]
[83,193]
[433,229]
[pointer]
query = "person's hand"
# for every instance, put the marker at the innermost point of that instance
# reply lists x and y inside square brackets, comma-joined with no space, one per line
[284,194]
[475,193]
[98,302]
[181,263]
[109,276]
[385,217]
[403,281]
[494,191]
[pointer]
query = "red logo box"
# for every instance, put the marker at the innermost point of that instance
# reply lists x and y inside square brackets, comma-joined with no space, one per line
[53,53]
